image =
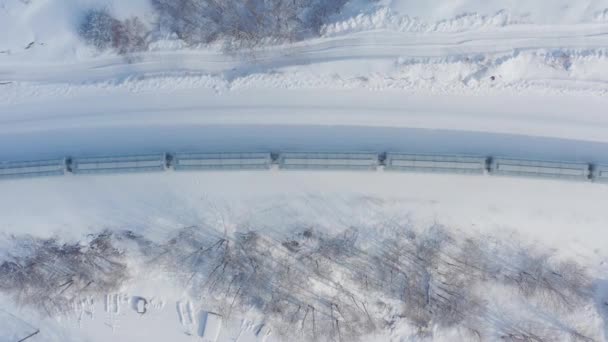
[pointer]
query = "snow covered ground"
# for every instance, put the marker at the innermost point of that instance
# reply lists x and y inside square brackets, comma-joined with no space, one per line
[424,47]
[525,79]
[567,217]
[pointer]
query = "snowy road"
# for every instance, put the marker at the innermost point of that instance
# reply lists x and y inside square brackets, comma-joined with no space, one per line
[304,95]
[110,122]
[237,138]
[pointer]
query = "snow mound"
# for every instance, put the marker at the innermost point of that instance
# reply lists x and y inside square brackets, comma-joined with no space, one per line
[601,16]
[386,19]
[543,12]
[543,71]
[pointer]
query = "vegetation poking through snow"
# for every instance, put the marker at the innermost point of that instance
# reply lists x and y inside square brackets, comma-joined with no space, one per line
[342,286]
[312,285]
[99,29]
[244,22]
[237,23]
[54,276]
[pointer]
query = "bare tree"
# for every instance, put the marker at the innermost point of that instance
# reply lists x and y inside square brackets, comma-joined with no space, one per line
[99,29]
[244,23]
[310,284]
[54,276]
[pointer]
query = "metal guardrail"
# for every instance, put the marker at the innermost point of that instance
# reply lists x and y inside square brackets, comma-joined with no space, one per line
[540,169]
[120,164]
[55,167]
[328,161]
[435,163]
[362,161]
[221,161]
[600,173]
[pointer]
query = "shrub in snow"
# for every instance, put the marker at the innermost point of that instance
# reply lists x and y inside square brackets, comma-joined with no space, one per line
[244,22]
[130,36]
[309,284]
[429,279]
[54,276]
[97,28]
[103,31]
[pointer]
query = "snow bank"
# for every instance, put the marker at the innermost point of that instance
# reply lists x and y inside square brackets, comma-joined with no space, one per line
[438,47]
[46,30]
[385,18]
[536,11]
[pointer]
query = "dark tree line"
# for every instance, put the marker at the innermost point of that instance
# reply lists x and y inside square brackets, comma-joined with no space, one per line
[237,23]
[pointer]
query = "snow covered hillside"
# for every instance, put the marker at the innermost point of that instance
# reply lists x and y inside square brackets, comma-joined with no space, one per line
[436,46]
[303,255]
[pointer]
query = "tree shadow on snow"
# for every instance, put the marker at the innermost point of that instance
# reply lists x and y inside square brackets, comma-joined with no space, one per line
[601,302]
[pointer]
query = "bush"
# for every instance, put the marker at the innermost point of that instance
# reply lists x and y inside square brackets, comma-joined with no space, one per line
[244,22]
[239,23]
[309,284]
[129,36]
[103,31]
[97,28]
[54,276]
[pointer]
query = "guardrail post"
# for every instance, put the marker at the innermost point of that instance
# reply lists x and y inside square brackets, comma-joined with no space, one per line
[382,159]
[488,165]
[68,164]
[168,160]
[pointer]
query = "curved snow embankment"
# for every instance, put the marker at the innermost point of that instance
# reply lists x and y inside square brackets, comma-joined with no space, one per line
[387,18]
[550,61]
[437,46]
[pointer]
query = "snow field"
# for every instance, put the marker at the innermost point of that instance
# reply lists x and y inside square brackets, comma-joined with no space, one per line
[277,204]
[274,256]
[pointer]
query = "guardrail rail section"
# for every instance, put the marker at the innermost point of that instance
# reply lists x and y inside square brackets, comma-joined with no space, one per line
[540,169]
[328,161]
[600,173]
[435,163]
[221,161]
[139,163]
[54,167]
[391,161]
